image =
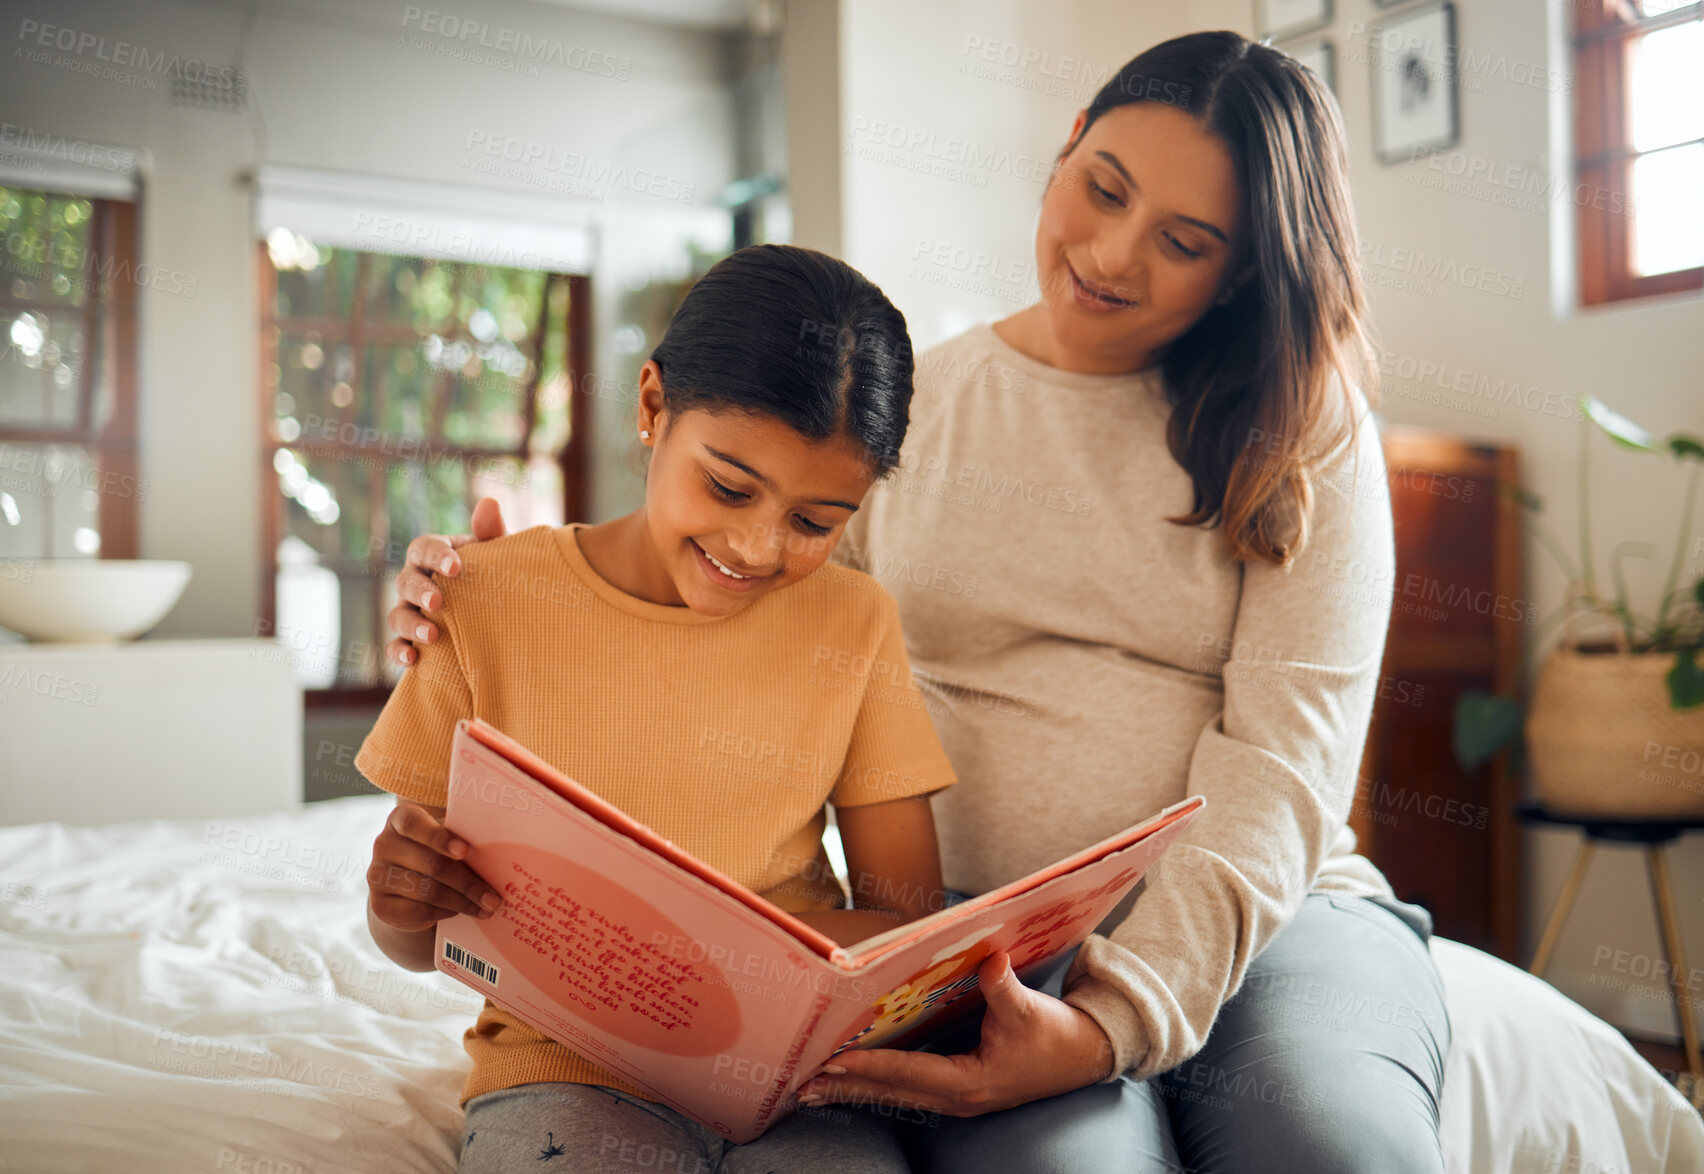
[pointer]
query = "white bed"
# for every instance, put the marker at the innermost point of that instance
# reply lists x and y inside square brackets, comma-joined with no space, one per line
[202,995]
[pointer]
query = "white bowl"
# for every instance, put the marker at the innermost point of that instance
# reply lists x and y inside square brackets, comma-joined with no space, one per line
[87,601]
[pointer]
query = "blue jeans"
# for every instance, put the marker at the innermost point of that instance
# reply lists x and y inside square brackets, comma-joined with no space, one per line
[1329,1058]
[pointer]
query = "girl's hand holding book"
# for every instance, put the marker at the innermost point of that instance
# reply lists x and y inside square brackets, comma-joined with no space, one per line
[417,877]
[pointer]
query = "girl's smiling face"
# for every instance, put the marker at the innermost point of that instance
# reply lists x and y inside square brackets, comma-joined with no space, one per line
[738,505]
[1138,235]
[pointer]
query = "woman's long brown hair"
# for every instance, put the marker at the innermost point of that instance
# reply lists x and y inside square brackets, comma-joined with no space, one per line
[1260,387]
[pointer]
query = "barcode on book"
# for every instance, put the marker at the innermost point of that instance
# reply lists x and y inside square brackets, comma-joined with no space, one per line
[471,962]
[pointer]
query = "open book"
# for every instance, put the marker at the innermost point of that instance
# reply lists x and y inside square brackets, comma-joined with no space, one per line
[619,945]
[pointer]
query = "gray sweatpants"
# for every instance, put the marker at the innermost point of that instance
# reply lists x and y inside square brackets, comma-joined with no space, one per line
[585,1127]
[1329,1059]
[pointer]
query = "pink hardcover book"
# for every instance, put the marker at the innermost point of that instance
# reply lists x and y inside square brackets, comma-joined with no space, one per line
[621,946]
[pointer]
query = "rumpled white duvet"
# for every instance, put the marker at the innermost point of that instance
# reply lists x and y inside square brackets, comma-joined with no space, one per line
[203,995]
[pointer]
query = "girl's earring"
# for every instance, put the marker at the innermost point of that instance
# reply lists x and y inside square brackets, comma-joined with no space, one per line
[644,435]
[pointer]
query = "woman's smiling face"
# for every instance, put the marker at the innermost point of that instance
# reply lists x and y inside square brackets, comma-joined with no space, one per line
[1138,236]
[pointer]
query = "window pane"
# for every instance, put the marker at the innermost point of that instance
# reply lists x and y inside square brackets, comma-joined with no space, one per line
[485,411]
[39,380]
[308,379]
[509,299]
[410,291]
[1661,7]
[447,498]
[326,503]
[25,380]
[313,282]
[351,485]
[74,506]
[401,379]
[104,402]
[62,363]
[446,355]
[48,505]
[52,290]
[426,498]
[23,500]
[15,217]
[550,430]
[405,505]
[27,242]
[1665,87]
[46,256]
[1668,189]
[71,273]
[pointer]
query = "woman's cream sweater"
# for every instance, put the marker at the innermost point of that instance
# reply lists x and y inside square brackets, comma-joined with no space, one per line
[1087,662]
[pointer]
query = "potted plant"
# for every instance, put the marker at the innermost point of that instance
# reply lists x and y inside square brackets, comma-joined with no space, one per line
[1615,725]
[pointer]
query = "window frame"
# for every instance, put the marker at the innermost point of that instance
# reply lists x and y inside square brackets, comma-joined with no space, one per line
[110,326]
[570,459]
[1604,155]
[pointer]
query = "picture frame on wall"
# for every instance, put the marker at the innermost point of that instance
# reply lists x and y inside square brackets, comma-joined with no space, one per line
[1319,56]
[1415,98]
[1278,19]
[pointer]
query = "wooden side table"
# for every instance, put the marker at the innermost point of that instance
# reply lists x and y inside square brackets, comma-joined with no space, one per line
[1655,835]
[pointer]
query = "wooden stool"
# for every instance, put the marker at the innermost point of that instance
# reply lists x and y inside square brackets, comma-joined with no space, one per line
[1655,835]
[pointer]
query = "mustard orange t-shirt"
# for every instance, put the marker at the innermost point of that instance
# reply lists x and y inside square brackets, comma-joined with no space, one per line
[725,735]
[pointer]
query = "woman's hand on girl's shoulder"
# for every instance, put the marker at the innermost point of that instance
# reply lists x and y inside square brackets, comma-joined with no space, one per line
[432,554]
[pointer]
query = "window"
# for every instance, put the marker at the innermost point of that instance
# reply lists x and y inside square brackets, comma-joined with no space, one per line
[69,479]
[396,391]
[1639,129]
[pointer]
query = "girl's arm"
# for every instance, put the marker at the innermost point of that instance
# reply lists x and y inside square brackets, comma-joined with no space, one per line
[895,866]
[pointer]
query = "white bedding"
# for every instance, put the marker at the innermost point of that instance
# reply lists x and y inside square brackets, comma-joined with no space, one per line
[203,995]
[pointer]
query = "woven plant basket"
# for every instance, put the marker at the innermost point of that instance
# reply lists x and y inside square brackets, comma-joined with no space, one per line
[1603,739]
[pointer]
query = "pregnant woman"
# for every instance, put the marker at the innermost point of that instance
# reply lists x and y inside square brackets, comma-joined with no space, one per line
[1131,538]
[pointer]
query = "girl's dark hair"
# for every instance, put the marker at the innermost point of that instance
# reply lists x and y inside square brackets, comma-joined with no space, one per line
[795,334]
[1254,414]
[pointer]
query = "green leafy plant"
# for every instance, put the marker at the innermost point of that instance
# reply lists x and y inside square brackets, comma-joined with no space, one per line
[1485,723]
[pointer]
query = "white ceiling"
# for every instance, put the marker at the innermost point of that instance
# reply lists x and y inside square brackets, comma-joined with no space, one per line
[707,14]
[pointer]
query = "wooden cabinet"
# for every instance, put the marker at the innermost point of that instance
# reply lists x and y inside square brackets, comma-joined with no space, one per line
[1446,838]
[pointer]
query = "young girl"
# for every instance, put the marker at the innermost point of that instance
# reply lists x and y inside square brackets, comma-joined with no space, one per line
[697,664]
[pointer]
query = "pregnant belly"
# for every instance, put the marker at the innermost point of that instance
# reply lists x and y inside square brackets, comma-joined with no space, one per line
[1051,758]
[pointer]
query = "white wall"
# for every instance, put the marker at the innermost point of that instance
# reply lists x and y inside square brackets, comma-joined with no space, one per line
[938,146]
[342,85]
[810,65]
